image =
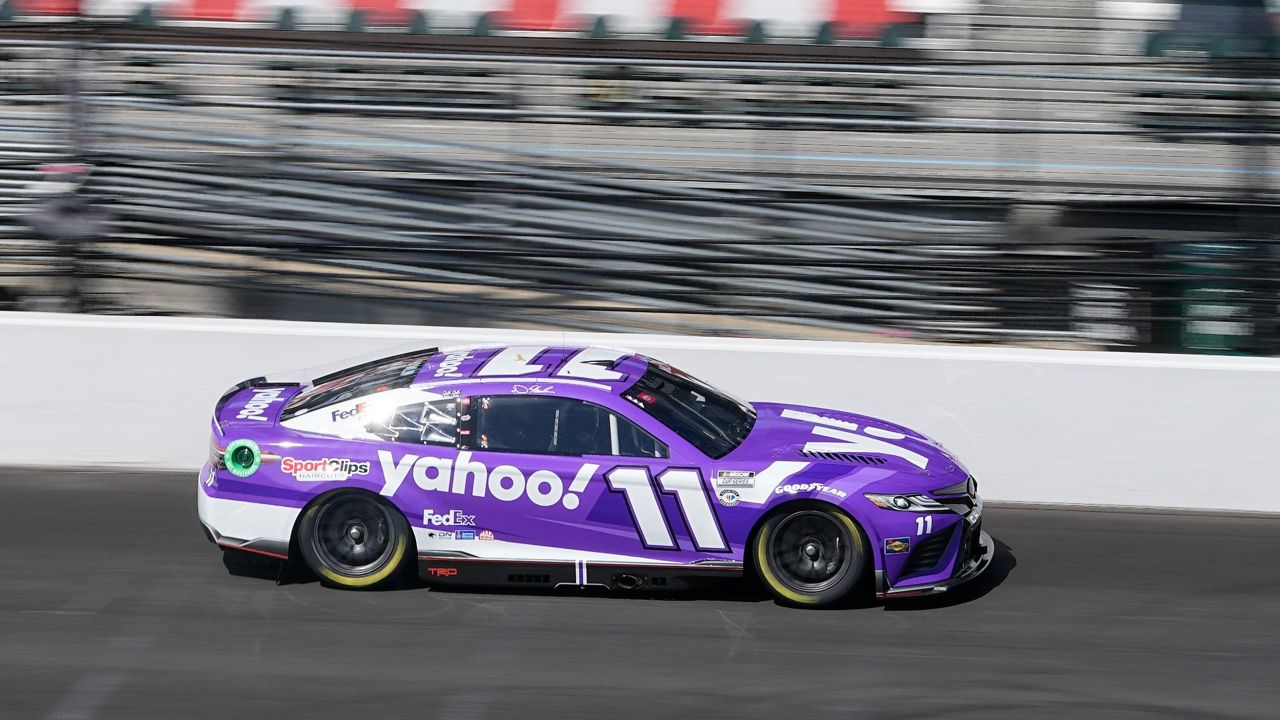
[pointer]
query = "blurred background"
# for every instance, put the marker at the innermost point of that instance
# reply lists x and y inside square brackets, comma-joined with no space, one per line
[1065,173]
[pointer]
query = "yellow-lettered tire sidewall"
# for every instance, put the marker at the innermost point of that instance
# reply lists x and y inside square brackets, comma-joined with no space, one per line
[362,582]
[776,586]
[771,580]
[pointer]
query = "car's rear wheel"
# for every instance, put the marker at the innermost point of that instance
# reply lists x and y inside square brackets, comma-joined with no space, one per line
[810,555]
[352,539]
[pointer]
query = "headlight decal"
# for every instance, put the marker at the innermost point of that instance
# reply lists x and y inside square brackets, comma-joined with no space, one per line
[906,503]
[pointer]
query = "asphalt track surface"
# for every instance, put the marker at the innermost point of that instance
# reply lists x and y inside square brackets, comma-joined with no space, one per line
[113,605]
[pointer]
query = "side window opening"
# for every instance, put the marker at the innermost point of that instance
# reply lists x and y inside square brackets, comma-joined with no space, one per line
[561,426]
[582,429]
[424,423]
[515,424]
[631,441]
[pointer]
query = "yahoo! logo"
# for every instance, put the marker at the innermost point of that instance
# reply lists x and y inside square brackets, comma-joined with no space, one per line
[505,482]
[257,407]
[449,365]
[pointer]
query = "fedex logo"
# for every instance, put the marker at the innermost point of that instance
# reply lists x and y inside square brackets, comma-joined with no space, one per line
[258,405]
[356,411]
[453,518]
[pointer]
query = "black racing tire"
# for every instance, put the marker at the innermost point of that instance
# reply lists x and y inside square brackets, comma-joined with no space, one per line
[810,555]
[353,539]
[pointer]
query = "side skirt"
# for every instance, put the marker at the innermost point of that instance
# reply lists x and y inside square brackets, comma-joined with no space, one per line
[459,571]
[258,546]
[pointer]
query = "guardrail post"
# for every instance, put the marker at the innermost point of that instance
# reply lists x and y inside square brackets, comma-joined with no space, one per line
[287,20]
[418,24]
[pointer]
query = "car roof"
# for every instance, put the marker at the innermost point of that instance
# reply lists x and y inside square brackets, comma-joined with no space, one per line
[607,369]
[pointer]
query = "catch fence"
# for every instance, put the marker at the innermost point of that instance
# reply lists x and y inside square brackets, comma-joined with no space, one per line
[807,197]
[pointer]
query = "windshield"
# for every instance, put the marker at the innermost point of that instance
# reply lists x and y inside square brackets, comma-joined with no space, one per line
[710,420]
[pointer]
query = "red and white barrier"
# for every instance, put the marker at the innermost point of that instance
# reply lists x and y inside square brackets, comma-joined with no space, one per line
[794,18]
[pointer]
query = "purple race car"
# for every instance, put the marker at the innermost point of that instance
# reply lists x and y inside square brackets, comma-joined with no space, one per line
[551,466]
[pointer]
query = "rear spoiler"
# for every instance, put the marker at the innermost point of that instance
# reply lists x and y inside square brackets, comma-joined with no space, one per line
[251,383]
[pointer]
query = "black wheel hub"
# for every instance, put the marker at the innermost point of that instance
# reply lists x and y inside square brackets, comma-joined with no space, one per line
[810,552]
[353,535]
[356,533]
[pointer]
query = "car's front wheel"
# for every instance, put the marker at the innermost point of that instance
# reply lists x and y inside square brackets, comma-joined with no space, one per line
[352,539]
[810,555]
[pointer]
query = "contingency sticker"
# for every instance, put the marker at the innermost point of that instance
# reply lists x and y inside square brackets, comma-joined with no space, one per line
[735,478]
[897,546]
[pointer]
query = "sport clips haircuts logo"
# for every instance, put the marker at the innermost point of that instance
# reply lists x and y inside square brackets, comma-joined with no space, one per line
[257,407]
[323,470]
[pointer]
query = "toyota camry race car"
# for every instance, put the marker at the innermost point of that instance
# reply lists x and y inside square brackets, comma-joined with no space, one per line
[570,466]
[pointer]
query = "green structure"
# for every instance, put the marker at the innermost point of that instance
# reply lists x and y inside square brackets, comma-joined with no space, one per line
[1214,305]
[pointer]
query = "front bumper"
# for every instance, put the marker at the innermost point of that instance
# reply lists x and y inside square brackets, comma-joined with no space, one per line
[978,563]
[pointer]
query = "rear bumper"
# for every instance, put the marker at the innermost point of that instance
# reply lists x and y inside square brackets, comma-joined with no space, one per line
[239,525]
[978,563]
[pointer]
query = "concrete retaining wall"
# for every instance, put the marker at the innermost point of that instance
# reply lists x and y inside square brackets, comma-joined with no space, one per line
[1033,425]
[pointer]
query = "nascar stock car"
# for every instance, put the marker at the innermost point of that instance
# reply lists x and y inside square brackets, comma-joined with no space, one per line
[572,466]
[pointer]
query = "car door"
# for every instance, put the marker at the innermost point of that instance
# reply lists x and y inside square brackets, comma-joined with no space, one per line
[667,499]
[571,480]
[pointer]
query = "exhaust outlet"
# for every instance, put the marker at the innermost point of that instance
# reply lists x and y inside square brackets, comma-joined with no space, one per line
[629,582]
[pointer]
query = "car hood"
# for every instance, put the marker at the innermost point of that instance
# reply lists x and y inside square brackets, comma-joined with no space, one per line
[821,435]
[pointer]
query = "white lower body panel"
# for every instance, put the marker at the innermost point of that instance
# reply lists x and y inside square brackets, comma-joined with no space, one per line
[247,525]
